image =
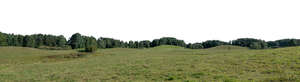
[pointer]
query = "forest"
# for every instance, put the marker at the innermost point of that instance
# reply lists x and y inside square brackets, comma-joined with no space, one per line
[91,43]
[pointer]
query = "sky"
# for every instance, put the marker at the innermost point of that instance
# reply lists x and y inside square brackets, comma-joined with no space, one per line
[189,20]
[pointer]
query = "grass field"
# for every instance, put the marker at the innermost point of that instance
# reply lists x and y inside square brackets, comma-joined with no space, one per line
[163,63]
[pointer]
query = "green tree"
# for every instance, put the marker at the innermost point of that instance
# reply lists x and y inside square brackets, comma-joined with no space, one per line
[39,40]
[90,44]
[144,44]
[131,44]
[61,41]
[155,42]
[116,43]
[15,40]
[3,41]
[136,44]
[9,39]
[213,43]
[288,42]
[20,39]
[195,46]
[29,41]
[108,42]
[250,42]
[255,45]
[273,44]
[123,44]
[76,41]
[90,41]
[101,43]
[168,41]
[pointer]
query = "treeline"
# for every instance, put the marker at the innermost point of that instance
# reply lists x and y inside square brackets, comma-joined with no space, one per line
[91,43]
[35,40]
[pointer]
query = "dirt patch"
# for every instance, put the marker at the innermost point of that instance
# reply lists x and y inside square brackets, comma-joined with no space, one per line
[72,55]
[75,55]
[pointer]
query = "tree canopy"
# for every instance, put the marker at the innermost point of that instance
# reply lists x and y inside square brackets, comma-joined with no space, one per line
[251,43]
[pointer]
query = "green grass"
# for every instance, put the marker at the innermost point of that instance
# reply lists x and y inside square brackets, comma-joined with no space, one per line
[163,63]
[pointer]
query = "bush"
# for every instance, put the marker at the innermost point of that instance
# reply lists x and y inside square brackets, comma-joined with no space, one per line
[91,49]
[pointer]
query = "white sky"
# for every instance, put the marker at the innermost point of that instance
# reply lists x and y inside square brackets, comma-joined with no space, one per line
[190,20]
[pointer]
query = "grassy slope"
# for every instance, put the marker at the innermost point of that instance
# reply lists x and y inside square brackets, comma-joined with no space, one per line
[164,63]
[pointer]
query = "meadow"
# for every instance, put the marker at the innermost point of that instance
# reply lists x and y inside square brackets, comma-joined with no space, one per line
[158,64]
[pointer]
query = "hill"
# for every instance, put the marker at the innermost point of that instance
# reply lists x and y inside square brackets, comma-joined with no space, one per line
[163,63]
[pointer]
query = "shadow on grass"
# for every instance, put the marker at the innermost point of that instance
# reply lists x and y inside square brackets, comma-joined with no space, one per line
[71,55]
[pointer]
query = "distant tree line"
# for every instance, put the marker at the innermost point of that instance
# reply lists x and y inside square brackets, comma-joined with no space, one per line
[90,43]
[35,40]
